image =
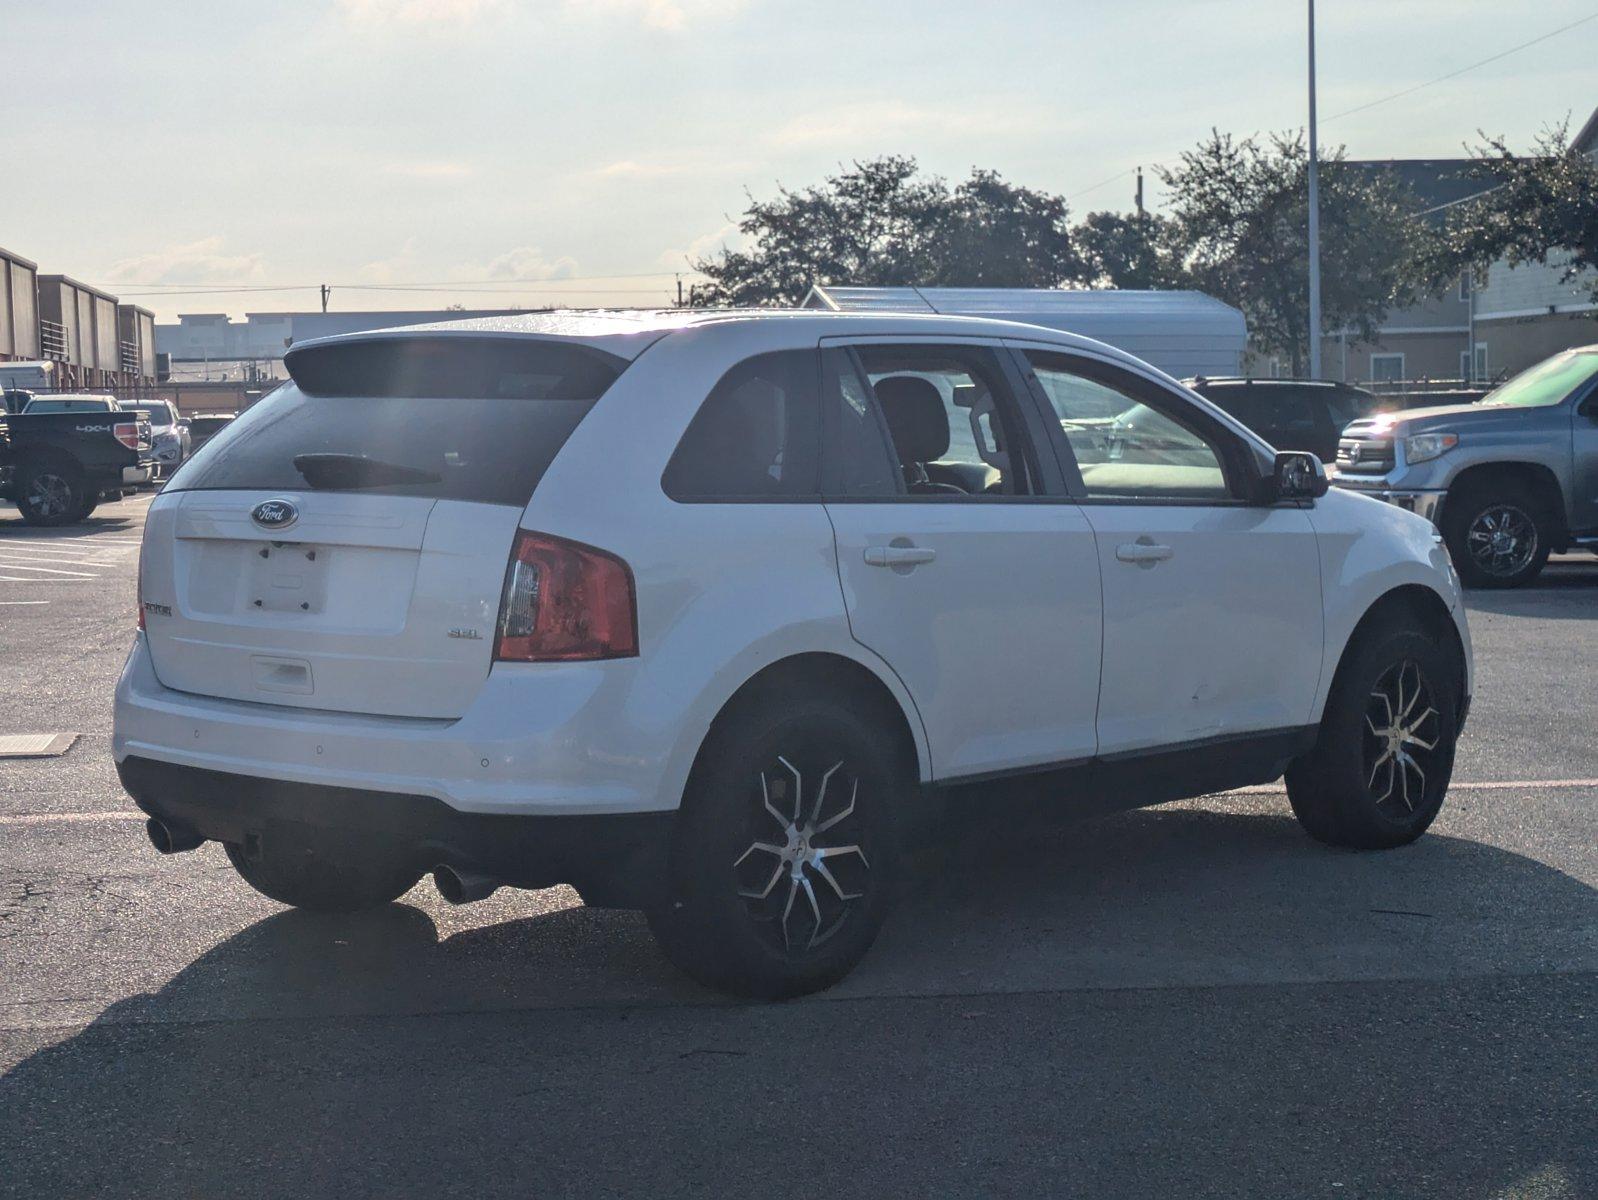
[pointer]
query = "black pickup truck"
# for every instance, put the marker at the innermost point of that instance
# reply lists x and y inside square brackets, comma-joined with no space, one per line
[56,467]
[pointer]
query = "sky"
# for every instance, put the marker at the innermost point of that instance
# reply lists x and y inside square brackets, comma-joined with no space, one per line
[494,153]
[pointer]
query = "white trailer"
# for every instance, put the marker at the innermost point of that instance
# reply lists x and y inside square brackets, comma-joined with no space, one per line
[1181,333]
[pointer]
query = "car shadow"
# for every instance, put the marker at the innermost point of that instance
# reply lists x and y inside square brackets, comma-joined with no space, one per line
[182,1089]
[1549,597]
[99,521]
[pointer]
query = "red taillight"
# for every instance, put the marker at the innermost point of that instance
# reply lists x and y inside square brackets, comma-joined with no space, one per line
[565,601]
[127,432]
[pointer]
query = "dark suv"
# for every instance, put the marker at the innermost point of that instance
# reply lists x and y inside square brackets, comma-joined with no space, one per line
[1294,414]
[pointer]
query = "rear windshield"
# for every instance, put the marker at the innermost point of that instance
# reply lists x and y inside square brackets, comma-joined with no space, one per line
[471,419]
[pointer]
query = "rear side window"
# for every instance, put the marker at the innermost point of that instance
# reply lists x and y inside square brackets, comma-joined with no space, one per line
[756,437]
[446,418]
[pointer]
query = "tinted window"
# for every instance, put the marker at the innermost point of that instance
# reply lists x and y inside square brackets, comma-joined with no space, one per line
[757,435]
[454,444]
[951,421]
[1124,446]
[863,462]
[425,367]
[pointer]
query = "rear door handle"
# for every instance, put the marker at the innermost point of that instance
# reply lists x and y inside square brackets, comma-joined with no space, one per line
[899,556]
[1143,552]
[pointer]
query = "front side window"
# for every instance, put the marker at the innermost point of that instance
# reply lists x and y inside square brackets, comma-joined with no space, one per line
[756,437]
[1123,446]
[951,421]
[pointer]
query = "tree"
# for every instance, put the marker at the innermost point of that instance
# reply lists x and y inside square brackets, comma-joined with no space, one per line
[880,223]
[1241,211]
[1532,208]
[1130,251]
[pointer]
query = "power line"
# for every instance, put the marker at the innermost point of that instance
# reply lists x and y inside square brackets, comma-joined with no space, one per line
[1396,95]
[214,285]
[1347,112]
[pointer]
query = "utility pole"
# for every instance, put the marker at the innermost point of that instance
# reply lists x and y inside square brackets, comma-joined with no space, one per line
[326,291]
[1314,217]
[1140,213]
[679,289]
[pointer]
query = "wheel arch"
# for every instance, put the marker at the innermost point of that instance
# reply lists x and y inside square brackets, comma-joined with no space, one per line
[839,675]
[1539,477]
[1421,606]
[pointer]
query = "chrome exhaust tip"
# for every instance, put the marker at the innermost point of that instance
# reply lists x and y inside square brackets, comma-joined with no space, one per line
[463,887]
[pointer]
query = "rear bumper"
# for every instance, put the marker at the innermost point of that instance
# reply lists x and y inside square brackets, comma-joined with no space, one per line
[615,861]
[538,742]
[138,474]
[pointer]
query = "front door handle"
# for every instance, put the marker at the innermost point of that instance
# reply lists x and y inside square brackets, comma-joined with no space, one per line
[1144,552]
[899,556]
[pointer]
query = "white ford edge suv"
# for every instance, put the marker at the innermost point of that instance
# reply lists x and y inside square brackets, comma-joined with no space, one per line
[701,613]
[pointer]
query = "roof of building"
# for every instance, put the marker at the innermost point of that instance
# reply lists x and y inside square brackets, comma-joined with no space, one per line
[1586,139]
[18,259]
[1436,182]
[77,283]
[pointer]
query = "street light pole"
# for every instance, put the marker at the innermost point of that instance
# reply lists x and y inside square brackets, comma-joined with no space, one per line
[1314,217]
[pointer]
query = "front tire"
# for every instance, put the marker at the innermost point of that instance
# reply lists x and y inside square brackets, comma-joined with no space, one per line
[322,873]
[1499,536]
[1380,768]
[786,850]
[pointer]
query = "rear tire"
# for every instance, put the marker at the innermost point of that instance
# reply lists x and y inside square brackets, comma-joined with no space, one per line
[322,873]
[1380,768]
[786,850]
[1498,534]
[51,496]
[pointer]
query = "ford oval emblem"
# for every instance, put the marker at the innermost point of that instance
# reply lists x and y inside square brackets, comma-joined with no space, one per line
[274,514]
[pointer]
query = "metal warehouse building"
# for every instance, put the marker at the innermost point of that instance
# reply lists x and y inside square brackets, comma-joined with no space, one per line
[19,309]
[1181,333]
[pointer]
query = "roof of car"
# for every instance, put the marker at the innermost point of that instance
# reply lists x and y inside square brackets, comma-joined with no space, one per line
[627,332]
[1206,381]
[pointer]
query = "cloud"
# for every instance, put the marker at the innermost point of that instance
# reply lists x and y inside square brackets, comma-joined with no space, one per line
[628,169]
[396,268]
[660,14]
[187,262]
[429,170]
[880,120]
[528,262]
[728,236]
[416,12]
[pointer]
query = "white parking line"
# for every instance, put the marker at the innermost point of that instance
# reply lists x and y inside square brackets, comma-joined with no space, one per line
[21,602]
[15,566]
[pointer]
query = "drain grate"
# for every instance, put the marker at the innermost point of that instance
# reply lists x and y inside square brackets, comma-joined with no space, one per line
[35,745]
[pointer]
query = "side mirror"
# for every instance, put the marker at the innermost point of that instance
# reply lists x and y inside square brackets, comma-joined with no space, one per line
[1299,475]
[184,423]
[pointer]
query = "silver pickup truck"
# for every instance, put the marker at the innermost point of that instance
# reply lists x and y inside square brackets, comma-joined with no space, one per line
[1507,480]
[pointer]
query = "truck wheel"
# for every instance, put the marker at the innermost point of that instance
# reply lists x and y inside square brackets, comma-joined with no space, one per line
[322,873]
[1499,536]
[50,496]
[1382,763]
[785,850]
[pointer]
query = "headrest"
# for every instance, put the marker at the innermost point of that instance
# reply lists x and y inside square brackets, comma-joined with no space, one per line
[916,418]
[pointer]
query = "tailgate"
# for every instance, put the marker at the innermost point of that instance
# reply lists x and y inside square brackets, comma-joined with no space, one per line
[376,604]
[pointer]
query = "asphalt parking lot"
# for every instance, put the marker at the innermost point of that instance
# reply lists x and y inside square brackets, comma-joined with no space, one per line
[1192,1000]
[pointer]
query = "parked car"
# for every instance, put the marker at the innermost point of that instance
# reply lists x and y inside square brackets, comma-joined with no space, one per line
[1295,414]
[170,436]
[706,614]
[1507,480]
[57,465]
[205,426]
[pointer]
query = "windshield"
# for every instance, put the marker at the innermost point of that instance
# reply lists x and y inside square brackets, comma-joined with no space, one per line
[1548,382]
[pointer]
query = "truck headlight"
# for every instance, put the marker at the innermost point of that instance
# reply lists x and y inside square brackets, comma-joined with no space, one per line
[1423,446]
